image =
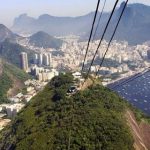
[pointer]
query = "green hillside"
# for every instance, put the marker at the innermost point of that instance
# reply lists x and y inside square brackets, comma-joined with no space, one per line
[9,72]
[42,39]
[11,51]
[90,120]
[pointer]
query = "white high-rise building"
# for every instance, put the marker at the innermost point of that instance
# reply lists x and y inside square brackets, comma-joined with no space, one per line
[46,59]
[148,54]
[36,59]
[50,59]
[101,54]
[119,59]
[40,59]
[24,61]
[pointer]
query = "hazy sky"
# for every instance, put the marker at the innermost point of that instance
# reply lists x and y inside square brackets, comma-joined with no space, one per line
[9,9]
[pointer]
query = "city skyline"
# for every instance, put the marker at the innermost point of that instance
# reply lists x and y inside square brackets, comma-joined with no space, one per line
[54,8]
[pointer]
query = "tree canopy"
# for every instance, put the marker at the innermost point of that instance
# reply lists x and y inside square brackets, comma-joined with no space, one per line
[92,119]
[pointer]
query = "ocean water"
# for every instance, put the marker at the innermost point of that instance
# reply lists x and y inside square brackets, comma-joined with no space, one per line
[137,92]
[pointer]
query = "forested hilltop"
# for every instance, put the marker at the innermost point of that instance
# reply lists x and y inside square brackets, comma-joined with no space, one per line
[42,39]
[89,120]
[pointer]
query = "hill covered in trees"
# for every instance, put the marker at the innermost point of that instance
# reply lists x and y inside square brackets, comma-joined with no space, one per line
[92,119]
[11,51]
[8,76]
[42,39]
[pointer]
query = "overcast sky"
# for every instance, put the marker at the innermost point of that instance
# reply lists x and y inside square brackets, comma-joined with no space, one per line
[9,9]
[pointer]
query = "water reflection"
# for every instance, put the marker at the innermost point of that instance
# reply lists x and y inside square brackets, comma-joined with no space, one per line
[137,92]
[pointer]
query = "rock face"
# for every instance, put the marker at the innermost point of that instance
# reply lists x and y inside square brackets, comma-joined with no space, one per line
[134,26]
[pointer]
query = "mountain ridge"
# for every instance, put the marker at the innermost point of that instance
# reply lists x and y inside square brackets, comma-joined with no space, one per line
[136,18]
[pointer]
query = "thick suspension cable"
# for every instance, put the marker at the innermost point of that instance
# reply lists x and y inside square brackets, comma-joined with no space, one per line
[138,75]
[97,7]
[112,37]
[102,38]
[99,20]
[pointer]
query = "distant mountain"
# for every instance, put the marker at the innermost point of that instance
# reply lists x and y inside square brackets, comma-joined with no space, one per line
[52,25]
[11,79]
[42,39]
[24,23]
[133,28]
[5,33]
[134,25]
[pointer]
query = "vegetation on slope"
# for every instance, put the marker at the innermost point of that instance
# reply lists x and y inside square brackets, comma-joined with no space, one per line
[42,39]
[15,71]
[11,51]
[6,79]
[89,120]
[5,85]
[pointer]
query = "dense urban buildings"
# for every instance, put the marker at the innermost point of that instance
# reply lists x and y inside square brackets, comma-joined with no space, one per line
[122,61]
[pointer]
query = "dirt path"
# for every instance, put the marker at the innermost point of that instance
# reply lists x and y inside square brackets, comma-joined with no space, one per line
[140,132]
